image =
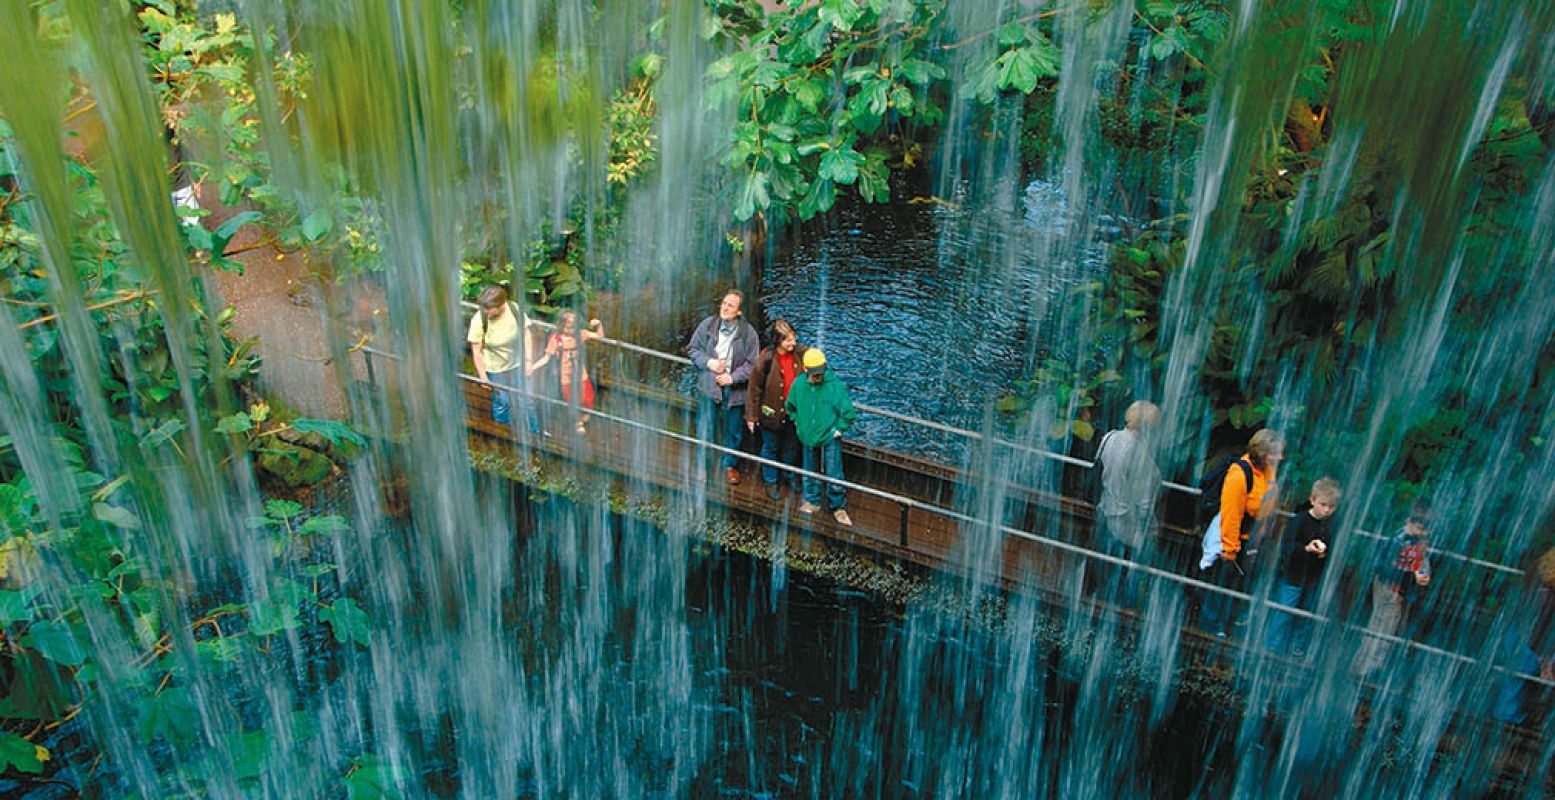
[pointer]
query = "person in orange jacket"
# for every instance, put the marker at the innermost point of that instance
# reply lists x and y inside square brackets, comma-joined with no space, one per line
[1248,495]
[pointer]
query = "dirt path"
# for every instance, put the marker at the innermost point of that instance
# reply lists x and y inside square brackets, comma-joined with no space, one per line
[277,299]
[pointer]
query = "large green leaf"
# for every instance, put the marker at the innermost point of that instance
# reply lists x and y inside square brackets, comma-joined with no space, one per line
[1021,68]
[16,606]
[370,780]
[329,523]
[819,199]
[281,510]
[753,195]
[55,641]
[269,617]
[115,516]
[235,423]
[332,429]
[841,14]
[347,621]
[17,752]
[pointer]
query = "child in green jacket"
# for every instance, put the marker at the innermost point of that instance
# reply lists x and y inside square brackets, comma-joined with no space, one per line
[821,411]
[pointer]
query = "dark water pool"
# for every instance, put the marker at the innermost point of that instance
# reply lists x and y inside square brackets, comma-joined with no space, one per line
[929,307]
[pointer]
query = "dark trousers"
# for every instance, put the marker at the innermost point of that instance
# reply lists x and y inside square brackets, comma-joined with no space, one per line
[1216,611]
[780,445]
[721,424]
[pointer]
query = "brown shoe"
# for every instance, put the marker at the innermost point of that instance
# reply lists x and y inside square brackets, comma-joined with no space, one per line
[733,475]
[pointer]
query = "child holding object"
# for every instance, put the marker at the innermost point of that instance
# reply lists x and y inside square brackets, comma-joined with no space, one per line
[1403,570]
[1304,553]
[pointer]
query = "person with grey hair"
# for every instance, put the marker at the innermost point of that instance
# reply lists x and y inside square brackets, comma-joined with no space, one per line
[1130,479]
[724,348]
[1129,484]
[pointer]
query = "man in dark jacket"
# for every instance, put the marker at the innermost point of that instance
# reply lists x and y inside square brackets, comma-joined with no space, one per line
[821,410]
[724,349]
[775,371]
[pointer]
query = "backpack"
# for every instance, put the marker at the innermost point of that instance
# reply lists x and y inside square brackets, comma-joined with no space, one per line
[1093,478]
[1209,499]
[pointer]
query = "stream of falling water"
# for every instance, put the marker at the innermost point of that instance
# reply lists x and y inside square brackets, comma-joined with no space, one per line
[552,649]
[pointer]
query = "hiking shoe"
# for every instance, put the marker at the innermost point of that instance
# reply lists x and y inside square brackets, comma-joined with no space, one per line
[808,507]
[732,475]
[841,515]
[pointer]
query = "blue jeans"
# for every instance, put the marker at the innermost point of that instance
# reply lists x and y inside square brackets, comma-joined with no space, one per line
[784,443]
[827,460]
[1516,697]
[502,402]
[1286,631]
[728,422]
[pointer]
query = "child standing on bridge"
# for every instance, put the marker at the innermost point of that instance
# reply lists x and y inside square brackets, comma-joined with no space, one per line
[821,410]
[1403,569]
[1303,555]
[565,347]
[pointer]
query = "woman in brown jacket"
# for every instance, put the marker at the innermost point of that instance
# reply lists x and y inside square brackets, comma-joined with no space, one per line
[775,370]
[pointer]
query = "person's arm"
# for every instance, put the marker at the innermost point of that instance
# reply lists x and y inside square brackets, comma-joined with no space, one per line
[1233,505]
[845,411]
[700,348]
[758,382]
[740,365]
[595,330]
[473,338]
[477,353]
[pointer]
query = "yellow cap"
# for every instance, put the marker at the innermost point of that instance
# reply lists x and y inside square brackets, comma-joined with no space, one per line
[814,358]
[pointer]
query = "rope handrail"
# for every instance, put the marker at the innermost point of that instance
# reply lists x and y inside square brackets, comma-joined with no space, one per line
[1017,446]
[1045,541]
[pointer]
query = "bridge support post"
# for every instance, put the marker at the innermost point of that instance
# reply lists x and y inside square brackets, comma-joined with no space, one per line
[903,531]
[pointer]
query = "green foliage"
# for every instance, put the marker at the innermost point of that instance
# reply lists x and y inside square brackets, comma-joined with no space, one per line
[114,601]
[820,93]
[18,753]
[298,453]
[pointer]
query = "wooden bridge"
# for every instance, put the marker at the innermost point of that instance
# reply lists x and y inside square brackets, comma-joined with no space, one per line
[904,507]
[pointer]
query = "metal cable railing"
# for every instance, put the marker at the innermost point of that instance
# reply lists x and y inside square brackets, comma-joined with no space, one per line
[907,504]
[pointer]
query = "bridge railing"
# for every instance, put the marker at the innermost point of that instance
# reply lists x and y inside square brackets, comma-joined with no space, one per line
[906,505]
